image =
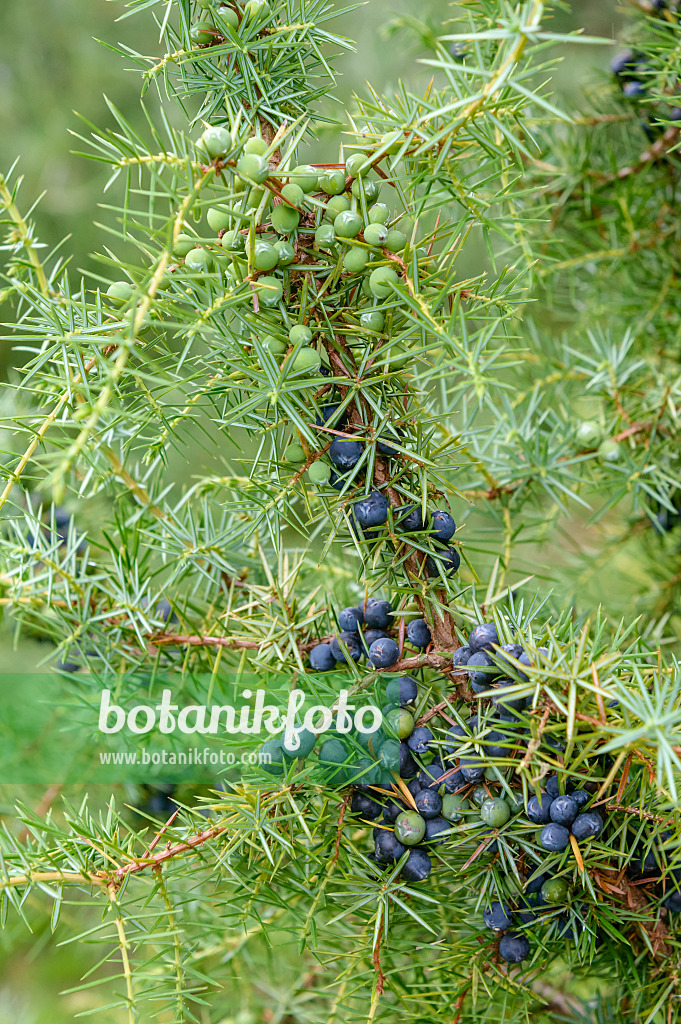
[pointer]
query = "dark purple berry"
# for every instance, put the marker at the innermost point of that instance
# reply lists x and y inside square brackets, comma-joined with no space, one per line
[417,866]
[420,740]
[587,825]
[409,519]
[372,510]
[483,637]
[539,811]
[345,453]
[322,659]
[384,653]
[365,806]
[378,614]
[428,803]
[418,633]
[554,838]
[564,810]
[351,641]
[461,656]
[387,847]
[350,619]
[497,917]
[444,527]
[514,948]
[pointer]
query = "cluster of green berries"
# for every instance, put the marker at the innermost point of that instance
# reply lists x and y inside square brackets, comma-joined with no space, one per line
[219,22]
[591,436]
[302,213]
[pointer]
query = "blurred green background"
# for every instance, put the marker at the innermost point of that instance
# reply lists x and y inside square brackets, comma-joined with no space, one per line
[50,67]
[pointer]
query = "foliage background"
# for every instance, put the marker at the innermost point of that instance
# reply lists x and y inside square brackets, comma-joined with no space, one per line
[50,66]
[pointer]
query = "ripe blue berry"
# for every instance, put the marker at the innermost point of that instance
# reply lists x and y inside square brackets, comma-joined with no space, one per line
[444,527]
[529,906]
[384,653]
[483,637]
[429,776]
[386,449]
[553,786]
[506,703]
[351,641]
[461,656]
[446,561]
[350,619]
[564,810]
[418,633]
[409,519]
[328,414]
[370,635]
[497,917]
[535,884]
[505,653]
[372,510]
[581,797]
[420,740]
[387,846]
[481,669]
[634,90]
[471,769]
[428,803]
[434,828]
[514,948]
[402,691]
[458,734]
[408,766]
[322,659]
[345,453]
[392,811]
[417,866]
[364,805]
[378,614]
[539,811]
[673,902]
[587,825]
[554,837]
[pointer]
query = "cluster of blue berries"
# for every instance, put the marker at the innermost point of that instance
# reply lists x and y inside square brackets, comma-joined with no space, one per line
[491,666]
[461,793]
[365,632]
[633,73]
